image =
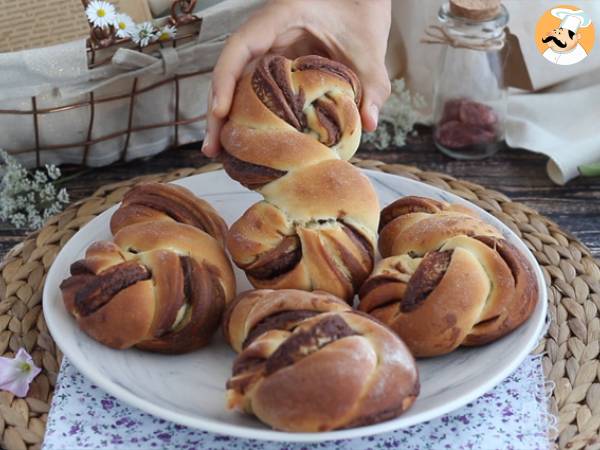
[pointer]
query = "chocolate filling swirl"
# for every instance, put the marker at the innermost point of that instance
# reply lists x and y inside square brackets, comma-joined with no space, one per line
[314,62]
[204,300]
[327,115]
[407,205]
[425,279]
[507,251]
[81,267]
[271,83]
[104,286]
[245,364]
[366,250]
[284,320]
[253,176]
[249,367]
[329,329]
[278,261]
[168,200]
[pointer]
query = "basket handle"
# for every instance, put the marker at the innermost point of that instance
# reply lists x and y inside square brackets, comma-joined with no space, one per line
[182,12]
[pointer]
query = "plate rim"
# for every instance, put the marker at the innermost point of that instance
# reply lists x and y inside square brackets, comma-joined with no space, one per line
[216,426]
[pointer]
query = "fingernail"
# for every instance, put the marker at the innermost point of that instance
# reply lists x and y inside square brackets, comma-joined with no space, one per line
[205,142]
[374,113]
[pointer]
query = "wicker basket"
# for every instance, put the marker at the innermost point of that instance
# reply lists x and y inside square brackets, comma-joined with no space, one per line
[128,102]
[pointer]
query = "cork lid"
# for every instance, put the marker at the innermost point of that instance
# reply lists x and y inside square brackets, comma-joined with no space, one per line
[477,10]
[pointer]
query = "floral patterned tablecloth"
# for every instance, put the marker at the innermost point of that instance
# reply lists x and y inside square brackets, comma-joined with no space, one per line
[513,415]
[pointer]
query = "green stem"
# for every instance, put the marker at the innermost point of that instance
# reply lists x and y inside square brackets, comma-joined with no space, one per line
[590,170]
[63,180]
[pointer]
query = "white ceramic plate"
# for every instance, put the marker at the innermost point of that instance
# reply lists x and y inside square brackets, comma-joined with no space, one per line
[190,389]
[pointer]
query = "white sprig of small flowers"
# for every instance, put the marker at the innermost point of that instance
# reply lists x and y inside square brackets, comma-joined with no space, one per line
[100,13]
[27,200]
[397,117]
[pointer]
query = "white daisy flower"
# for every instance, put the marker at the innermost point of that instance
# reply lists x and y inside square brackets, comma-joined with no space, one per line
[167,33]
[100,13]
[143,34]
[123,25]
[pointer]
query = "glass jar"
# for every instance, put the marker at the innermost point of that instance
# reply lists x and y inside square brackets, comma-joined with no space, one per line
[469,106]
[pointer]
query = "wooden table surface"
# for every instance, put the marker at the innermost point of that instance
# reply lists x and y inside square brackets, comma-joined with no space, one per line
[519,174]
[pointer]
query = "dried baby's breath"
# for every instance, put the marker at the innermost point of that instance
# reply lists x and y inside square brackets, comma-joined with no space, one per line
[27,200]
[396,118]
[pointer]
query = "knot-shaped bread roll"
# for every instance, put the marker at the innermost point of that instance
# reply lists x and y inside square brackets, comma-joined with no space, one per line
[310,363]
[291,127]
[447,278]
[160,285]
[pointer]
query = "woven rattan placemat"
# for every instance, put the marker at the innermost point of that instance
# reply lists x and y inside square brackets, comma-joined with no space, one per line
[571,346]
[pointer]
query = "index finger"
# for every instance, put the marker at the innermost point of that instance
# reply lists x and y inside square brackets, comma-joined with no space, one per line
[250,41]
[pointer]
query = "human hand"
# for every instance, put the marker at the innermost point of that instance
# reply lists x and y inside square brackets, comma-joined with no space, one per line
[352,32]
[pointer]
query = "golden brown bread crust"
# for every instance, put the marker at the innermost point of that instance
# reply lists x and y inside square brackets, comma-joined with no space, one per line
[418,224]
[447,278]
[334,369]
[291,126]
[331,189]
[160,286]
[149,202]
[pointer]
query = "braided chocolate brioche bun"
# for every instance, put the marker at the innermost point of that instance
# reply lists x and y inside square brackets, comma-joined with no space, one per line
[301,238]
[291,127]
[315,364]
[290,114]
[447,278]
[150,202]
[160,286]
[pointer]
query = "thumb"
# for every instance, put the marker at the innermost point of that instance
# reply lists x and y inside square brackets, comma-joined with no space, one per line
[376,90]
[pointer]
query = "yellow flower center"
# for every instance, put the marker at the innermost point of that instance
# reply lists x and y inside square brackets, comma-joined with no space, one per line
[122,25]
[24,367]
[101,12]
[164,36]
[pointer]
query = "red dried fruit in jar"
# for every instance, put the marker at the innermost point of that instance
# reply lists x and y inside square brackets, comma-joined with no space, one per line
[452,110]
[455,134]
[478,114]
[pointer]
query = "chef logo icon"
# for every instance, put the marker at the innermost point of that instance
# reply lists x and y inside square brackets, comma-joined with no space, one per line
[565,35]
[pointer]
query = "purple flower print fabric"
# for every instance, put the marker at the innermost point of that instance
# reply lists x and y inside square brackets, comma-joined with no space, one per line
[512,416]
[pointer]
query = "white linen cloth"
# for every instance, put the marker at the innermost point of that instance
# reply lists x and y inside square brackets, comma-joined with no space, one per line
[512,416]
